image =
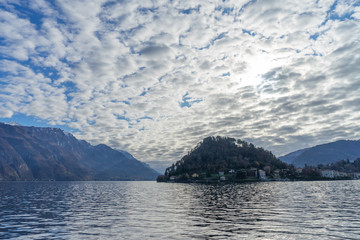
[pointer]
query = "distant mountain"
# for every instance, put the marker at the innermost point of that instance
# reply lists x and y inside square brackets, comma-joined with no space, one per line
[33,153]
[324,154]
[289,158]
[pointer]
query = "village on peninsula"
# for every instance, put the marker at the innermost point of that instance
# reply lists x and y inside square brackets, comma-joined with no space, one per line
[223,159]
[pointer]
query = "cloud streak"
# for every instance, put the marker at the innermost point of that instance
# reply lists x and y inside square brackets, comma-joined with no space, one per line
[154,78]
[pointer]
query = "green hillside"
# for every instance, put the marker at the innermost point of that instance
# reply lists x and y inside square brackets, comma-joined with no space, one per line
[228,155]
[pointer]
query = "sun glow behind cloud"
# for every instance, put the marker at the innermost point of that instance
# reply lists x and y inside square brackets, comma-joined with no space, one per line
[154,78]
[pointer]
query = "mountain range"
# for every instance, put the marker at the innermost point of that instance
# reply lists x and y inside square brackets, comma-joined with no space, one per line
[324,153]
[39,153]
[36,153]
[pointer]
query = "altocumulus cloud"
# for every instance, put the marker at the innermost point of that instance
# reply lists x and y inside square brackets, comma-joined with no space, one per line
[155,77]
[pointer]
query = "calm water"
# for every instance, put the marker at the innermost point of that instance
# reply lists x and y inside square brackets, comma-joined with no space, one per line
[149,210]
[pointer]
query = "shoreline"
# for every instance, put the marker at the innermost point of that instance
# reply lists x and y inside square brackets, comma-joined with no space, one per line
[256,180]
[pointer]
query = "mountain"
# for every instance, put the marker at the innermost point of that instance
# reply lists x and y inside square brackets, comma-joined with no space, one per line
[324,153]
[34,153]
[288,158]
[224,154]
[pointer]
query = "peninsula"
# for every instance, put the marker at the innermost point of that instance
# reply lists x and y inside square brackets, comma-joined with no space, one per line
[224,159]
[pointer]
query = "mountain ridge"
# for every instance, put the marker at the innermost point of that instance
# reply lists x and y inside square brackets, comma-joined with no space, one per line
[324,153]
[42,153]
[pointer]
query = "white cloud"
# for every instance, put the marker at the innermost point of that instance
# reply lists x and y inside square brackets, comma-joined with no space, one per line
[154,78]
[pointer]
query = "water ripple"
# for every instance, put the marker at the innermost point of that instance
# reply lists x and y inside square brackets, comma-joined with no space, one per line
[148,210]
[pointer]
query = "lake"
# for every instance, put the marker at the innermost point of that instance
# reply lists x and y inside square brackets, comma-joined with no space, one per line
[150,210]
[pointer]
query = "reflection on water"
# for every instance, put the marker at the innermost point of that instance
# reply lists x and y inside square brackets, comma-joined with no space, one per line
[149,210]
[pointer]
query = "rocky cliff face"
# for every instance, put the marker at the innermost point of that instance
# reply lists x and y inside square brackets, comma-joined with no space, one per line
[32,153]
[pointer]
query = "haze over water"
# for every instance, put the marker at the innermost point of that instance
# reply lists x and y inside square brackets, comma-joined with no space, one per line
[149,210]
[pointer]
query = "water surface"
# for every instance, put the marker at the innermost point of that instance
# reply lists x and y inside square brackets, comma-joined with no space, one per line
[149,210]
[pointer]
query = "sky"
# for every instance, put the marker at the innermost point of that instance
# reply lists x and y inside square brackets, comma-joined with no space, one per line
[156,77]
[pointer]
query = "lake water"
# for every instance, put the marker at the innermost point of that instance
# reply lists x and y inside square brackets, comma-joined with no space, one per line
[150,210]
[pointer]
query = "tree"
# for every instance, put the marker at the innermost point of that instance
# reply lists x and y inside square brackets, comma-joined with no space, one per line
[223,153]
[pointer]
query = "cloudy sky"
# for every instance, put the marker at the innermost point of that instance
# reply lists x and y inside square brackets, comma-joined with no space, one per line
[156,77]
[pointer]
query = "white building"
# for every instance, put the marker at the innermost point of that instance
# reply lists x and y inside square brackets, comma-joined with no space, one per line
[342,174]
[333,174]
[357,175]
[328,173]
[262,175]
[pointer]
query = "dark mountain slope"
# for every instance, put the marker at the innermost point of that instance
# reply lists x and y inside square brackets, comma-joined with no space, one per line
[324,154]
[32,153]
[288,158]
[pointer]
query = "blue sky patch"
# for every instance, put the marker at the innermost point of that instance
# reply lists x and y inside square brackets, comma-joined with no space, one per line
[29,121]
[188,101]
